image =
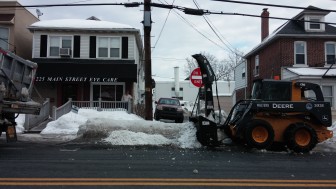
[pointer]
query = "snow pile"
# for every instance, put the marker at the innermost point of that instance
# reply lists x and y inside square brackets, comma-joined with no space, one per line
[65,125]
[121,128]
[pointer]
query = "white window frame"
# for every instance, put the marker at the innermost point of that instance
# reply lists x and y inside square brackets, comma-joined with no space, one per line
[256,66]
[60,43]
[332,94]
[305,53]
[243,73]
[109,47]
[100,84]
[6,41]
[325,50]
[316,18]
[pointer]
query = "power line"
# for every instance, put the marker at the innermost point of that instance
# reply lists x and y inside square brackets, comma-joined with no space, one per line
[213,28]
[164,24]
[275,5]
[190,24]
[186,10]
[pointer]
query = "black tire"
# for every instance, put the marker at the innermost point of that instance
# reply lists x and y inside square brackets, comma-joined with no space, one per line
[300,138]
[180,120]
[10,117]
[156,117]
[259,134]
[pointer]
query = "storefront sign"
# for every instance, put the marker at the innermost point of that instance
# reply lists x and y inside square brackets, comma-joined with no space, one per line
[73,72]
[75,79]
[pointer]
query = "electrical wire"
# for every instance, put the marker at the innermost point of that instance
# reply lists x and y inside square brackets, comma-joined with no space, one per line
[214,29]
[164,24]
[275,5]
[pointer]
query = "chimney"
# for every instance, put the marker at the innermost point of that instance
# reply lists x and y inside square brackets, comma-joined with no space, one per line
[264,24]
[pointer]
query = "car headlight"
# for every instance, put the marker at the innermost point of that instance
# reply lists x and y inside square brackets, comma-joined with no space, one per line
[159,107]
[180,109]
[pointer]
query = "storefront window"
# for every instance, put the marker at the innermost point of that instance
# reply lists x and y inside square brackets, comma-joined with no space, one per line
[107,92]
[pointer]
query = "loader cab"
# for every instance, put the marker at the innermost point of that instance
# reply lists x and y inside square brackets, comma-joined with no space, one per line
[275,90]
[271,90]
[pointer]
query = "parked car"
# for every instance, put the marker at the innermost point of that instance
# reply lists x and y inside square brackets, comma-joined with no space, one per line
[169,108]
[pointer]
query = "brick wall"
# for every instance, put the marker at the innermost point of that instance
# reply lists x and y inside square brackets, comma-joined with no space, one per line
[280,53]
[240,94]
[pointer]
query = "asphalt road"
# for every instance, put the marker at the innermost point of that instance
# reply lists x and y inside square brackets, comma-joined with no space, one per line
[91,164]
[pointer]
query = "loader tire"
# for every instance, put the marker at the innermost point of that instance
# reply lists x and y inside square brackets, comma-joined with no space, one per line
[259,134]
[300,138]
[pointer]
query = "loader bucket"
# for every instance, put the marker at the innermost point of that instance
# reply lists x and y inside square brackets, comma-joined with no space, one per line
[206,131]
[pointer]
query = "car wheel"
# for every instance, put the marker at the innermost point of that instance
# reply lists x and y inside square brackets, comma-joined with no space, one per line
[156,117]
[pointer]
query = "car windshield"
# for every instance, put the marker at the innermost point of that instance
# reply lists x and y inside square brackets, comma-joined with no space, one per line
[169,101]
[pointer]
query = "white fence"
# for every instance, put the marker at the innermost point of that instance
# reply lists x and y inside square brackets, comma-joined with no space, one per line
[98,105]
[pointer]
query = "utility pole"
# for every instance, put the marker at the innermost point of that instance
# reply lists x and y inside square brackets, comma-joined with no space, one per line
[148,64]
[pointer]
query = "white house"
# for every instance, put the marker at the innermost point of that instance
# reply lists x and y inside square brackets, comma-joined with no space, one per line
[324,76]
[188,92]
[87,59]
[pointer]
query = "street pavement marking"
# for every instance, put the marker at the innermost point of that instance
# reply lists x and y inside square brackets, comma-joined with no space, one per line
[165,182]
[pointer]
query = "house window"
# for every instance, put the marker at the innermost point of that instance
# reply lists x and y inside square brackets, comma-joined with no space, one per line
[256,66]
[328,94]
[109,47]
[4,38]
[57,42]
[330,52]
[180,93]
[243,73]
[300,52]
[315,24]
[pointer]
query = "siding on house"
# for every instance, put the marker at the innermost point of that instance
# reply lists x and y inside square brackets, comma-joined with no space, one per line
[240,80]
[20,38]
[84,43]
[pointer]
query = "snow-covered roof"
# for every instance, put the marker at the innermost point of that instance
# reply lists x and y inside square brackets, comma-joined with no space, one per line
[79,24]
[313,71]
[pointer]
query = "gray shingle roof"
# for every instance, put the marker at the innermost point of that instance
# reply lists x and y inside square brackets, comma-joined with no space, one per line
[295,28]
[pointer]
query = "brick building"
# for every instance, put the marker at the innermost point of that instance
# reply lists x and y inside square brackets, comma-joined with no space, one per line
[305,41]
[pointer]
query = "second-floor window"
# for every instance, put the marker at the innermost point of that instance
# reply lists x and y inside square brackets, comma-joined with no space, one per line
[300,53]
[109,47]
[4,38]
[330,51]
[57,42]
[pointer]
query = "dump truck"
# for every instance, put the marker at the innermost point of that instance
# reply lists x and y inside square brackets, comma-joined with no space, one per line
[291,114]
[17,77]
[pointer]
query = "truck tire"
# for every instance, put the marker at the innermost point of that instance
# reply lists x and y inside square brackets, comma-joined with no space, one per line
[156,117]
[259,134]
[10,117]
[300,138]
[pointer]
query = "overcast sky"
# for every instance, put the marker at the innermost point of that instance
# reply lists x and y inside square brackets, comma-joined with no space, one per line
[176,36]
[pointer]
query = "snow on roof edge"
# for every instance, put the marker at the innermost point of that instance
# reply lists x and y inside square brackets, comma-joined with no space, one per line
[78,24]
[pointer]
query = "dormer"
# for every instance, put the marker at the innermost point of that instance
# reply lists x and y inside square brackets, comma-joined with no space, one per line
[312,18]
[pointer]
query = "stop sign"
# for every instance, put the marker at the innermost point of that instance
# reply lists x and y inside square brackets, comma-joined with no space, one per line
[196,77]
